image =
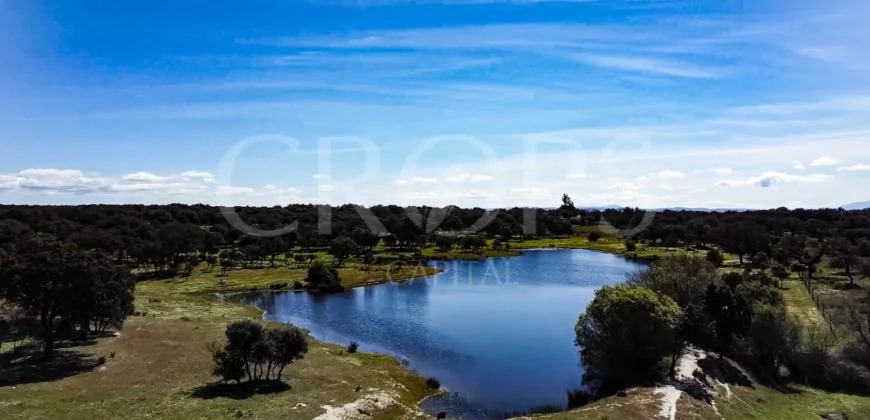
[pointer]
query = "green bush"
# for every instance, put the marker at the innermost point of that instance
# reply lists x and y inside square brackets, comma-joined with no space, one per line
[715,257]
[433,383]
[352,347]
[624,335]
[630,245]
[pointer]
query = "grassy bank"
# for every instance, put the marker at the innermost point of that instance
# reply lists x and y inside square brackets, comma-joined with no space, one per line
[162,367]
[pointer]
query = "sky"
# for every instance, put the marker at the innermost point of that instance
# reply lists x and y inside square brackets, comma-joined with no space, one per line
[476,103]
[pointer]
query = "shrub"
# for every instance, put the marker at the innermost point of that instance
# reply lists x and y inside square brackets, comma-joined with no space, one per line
[594,236]
[624,334]
[352,347]
[630,245]
[298,285]
[715,257]
[433,383]
[579,397]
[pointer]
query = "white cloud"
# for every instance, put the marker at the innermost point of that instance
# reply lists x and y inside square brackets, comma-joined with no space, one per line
[798,165]
[197,174]
[825,161]
[143,177]
[53,180]
[196,186]
[770,178]
[718,171]
[423,180]
[468,177]
[51,173]
[416,180]
[857,167]
[668,174]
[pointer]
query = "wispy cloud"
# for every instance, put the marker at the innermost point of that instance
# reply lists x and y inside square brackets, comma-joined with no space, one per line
[857,167]
[825,161]
[647,65]
[770,178]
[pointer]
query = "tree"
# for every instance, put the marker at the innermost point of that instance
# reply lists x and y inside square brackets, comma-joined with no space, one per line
[445,243]
[715,257]
[845,256]
[693,328]
[624,334]
[730,313]
[324,278]
[226,265]
[759,261]
[257,352]
[566,202]
[64,287]
[211,260]
[341,248]
[681,277]
[772,337]
[780,272]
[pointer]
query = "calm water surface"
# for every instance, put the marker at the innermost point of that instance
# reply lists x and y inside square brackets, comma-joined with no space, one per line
[498,334]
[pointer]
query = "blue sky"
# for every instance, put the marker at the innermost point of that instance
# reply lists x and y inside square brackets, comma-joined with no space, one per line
[475,103]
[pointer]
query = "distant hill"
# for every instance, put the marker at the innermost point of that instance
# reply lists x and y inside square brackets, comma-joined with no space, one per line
[861,205]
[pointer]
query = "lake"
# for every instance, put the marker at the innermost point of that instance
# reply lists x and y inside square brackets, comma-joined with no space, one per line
[498,334]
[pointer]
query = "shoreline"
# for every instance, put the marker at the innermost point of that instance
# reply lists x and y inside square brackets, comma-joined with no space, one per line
[435,392]
[441,391]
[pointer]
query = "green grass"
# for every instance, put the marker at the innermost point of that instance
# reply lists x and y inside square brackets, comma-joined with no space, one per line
[162,359]
[800,306]
[456,254]
[208,281]
[611,245]
[744,403]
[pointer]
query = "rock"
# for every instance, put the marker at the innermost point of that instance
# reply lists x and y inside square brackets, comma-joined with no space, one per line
[834,416]
[441,415]
[621,394]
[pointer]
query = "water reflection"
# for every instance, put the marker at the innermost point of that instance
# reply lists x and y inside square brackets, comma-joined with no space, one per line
[497,332]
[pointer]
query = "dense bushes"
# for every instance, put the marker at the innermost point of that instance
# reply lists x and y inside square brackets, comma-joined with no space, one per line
[683,278]
[739,315]
[624,334]
[257,353]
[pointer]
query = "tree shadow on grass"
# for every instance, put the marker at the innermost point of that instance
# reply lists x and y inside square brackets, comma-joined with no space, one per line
[847,286]
[20,369]
[240,391]
[725,372]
